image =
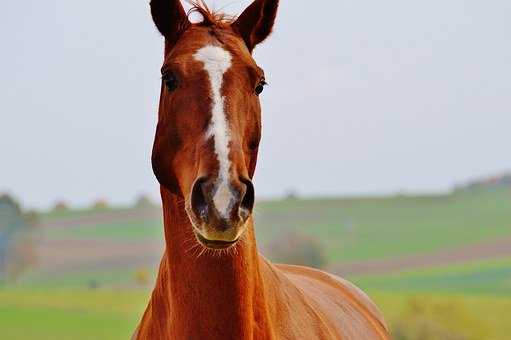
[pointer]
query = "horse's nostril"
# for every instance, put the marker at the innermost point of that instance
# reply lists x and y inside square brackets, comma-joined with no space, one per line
[239,202]
[199,203]
[247,203]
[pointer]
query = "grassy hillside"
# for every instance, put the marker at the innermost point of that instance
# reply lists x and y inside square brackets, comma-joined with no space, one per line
[90,260]
[348,229]
[360,229]
[82,246]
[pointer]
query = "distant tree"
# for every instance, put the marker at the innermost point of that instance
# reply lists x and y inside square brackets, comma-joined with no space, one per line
[291,195]
[32,217]
[100,204]
[60,206]
[143,202]
[17,246]
[446,320]
[294,247]
[8,202]
[486,183]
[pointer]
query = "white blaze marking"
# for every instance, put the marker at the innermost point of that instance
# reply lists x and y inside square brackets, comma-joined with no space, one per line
[216,62]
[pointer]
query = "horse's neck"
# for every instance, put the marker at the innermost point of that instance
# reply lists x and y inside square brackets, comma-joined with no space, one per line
[209,295]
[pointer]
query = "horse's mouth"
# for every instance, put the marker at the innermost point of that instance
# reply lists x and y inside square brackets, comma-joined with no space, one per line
[214,244]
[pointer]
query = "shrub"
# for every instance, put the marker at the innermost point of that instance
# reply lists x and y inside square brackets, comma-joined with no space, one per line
[291,195]
[144,202]
[60,206]
[100,204]
[17,246]
[446,320]
[142,277]
[293,247]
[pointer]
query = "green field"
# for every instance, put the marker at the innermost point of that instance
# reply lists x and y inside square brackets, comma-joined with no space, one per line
[79,314]
[478,278]
[74,295]
[351,229]
[149,228]
[360,229]
[55,314]
[446,316]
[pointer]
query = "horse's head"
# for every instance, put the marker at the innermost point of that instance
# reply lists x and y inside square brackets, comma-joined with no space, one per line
[209,121]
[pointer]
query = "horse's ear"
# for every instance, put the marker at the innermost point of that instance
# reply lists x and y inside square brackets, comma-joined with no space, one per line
[170,18]
[256,22]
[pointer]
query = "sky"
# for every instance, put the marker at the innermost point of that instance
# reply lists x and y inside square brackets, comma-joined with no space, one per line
[365,97]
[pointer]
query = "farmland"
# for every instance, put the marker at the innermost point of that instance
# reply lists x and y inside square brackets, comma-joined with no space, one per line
[436,252]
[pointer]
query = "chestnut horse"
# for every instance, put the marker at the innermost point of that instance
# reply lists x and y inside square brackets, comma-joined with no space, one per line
[212,283]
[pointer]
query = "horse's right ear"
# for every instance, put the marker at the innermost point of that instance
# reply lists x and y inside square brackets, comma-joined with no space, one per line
[256,22]
[170,18]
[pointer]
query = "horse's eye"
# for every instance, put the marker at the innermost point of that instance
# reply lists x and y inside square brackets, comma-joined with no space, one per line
[260,87]
[170,81]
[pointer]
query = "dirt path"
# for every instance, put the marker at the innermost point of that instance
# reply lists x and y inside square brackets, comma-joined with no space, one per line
[65,253]
[483,251]
[62,255]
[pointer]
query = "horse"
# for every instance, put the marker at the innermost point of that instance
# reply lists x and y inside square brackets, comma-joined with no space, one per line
[212,282]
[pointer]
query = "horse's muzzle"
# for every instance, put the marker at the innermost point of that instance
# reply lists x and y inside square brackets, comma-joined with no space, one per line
[219,210]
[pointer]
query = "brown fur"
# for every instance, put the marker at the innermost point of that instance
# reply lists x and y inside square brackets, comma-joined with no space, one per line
[235,293]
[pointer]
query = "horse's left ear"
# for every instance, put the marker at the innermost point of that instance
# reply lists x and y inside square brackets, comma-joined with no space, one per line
[170,18]
[256,22]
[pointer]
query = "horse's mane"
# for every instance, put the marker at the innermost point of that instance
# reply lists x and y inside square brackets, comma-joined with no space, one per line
[210,17]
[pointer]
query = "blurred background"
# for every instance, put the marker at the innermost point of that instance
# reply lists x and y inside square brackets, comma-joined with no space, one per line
[385,160]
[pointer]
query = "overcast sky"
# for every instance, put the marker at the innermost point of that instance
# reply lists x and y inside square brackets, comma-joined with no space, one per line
[365,97]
